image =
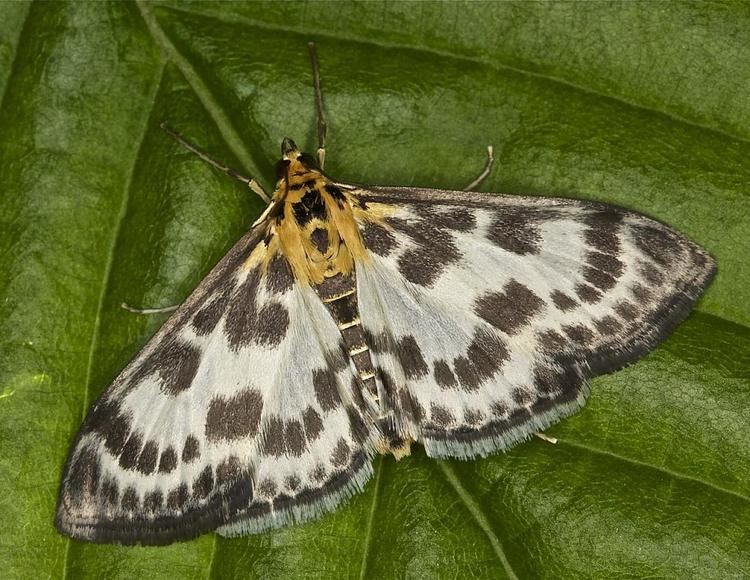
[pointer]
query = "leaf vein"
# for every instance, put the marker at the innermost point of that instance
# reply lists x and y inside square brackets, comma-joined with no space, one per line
[473,508]
[664,470]
[371,518]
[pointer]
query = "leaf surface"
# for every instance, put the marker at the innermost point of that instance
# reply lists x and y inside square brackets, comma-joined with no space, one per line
[621,102]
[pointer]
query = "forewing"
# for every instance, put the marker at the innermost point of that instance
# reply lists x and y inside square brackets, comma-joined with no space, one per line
[237,413]
[488,312]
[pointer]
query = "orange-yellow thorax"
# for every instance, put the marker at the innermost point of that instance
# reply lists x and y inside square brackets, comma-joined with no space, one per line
[314,224]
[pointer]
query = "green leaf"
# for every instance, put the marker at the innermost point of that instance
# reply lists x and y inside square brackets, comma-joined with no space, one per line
[637,104]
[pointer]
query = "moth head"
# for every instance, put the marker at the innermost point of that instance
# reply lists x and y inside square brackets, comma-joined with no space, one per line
[293,161]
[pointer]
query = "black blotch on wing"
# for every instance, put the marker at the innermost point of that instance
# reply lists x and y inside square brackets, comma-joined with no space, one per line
[191,450]
[433,252]
[279,278]
[378,239]
[176,362]
[235,417]
[147,459]
[84,475]
[510,310]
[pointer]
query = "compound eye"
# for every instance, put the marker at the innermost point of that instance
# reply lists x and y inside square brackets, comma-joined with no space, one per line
[307,160]
[281,168]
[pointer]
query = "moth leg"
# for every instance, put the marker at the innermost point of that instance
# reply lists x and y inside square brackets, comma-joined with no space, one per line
[149,310]
[547,438]
[318,105]
[485,172]
[249,181]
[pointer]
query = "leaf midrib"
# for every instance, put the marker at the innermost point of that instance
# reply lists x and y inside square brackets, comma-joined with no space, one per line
[497,66]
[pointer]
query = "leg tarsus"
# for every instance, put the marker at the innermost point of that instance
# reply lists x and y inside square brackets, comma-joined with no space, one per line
[547,438]
[134,310]
[485,172]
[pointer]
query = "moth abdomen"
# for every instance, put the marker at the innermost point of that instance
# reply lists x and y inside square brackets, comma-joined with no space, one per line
[339,294]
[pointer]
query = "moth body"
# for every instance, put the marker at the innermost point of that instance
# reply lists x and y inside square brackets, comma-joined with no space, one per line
[355,320]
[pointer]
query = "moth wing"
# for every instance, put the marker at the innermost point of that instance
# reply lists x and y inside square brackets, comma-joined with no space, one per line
[236,415]
[487,313]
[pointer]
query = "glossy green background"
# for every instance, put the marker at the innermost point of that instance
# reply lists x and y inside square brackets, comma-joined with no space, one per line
[640,104]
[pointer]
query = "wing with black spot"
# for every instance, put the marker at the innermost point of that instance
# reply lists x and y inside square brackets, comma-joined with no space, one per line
[486,313]
[236,415]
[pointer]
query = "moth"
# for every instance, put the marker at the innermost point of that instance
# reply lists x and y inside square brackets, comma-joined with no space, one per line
[355,320]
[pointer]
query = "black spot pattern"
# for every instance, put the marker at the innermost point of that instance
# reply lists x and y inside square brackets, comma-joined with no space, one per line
[588,294]
[318,474]
[551,341]
[459,219]
[516,229]
[473,416]
[168,460]
[272,324]
[510,310]
[651,274]
[234,418]
[562,301]
[411,406]
[313,424]
[441,416]
[294,438]
[340,456]
[378,239]
[444,376]
[267,488]
[110,492]
[177,497]
[191,450]
[602,233]
[84,475]
[274,441]
[204,483]
[659,244]
[130,451]
[319,238]
[153,501]
[148,457]
[206,319]
[245,325]
[626,310]
[357,427]
[642,294]
[581,334]
[279,277]
[608,325]
[292,482]
[311,206]
[176,363]
[411,359]
[326,391]
[130,500]
[434,250]
[107,420]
